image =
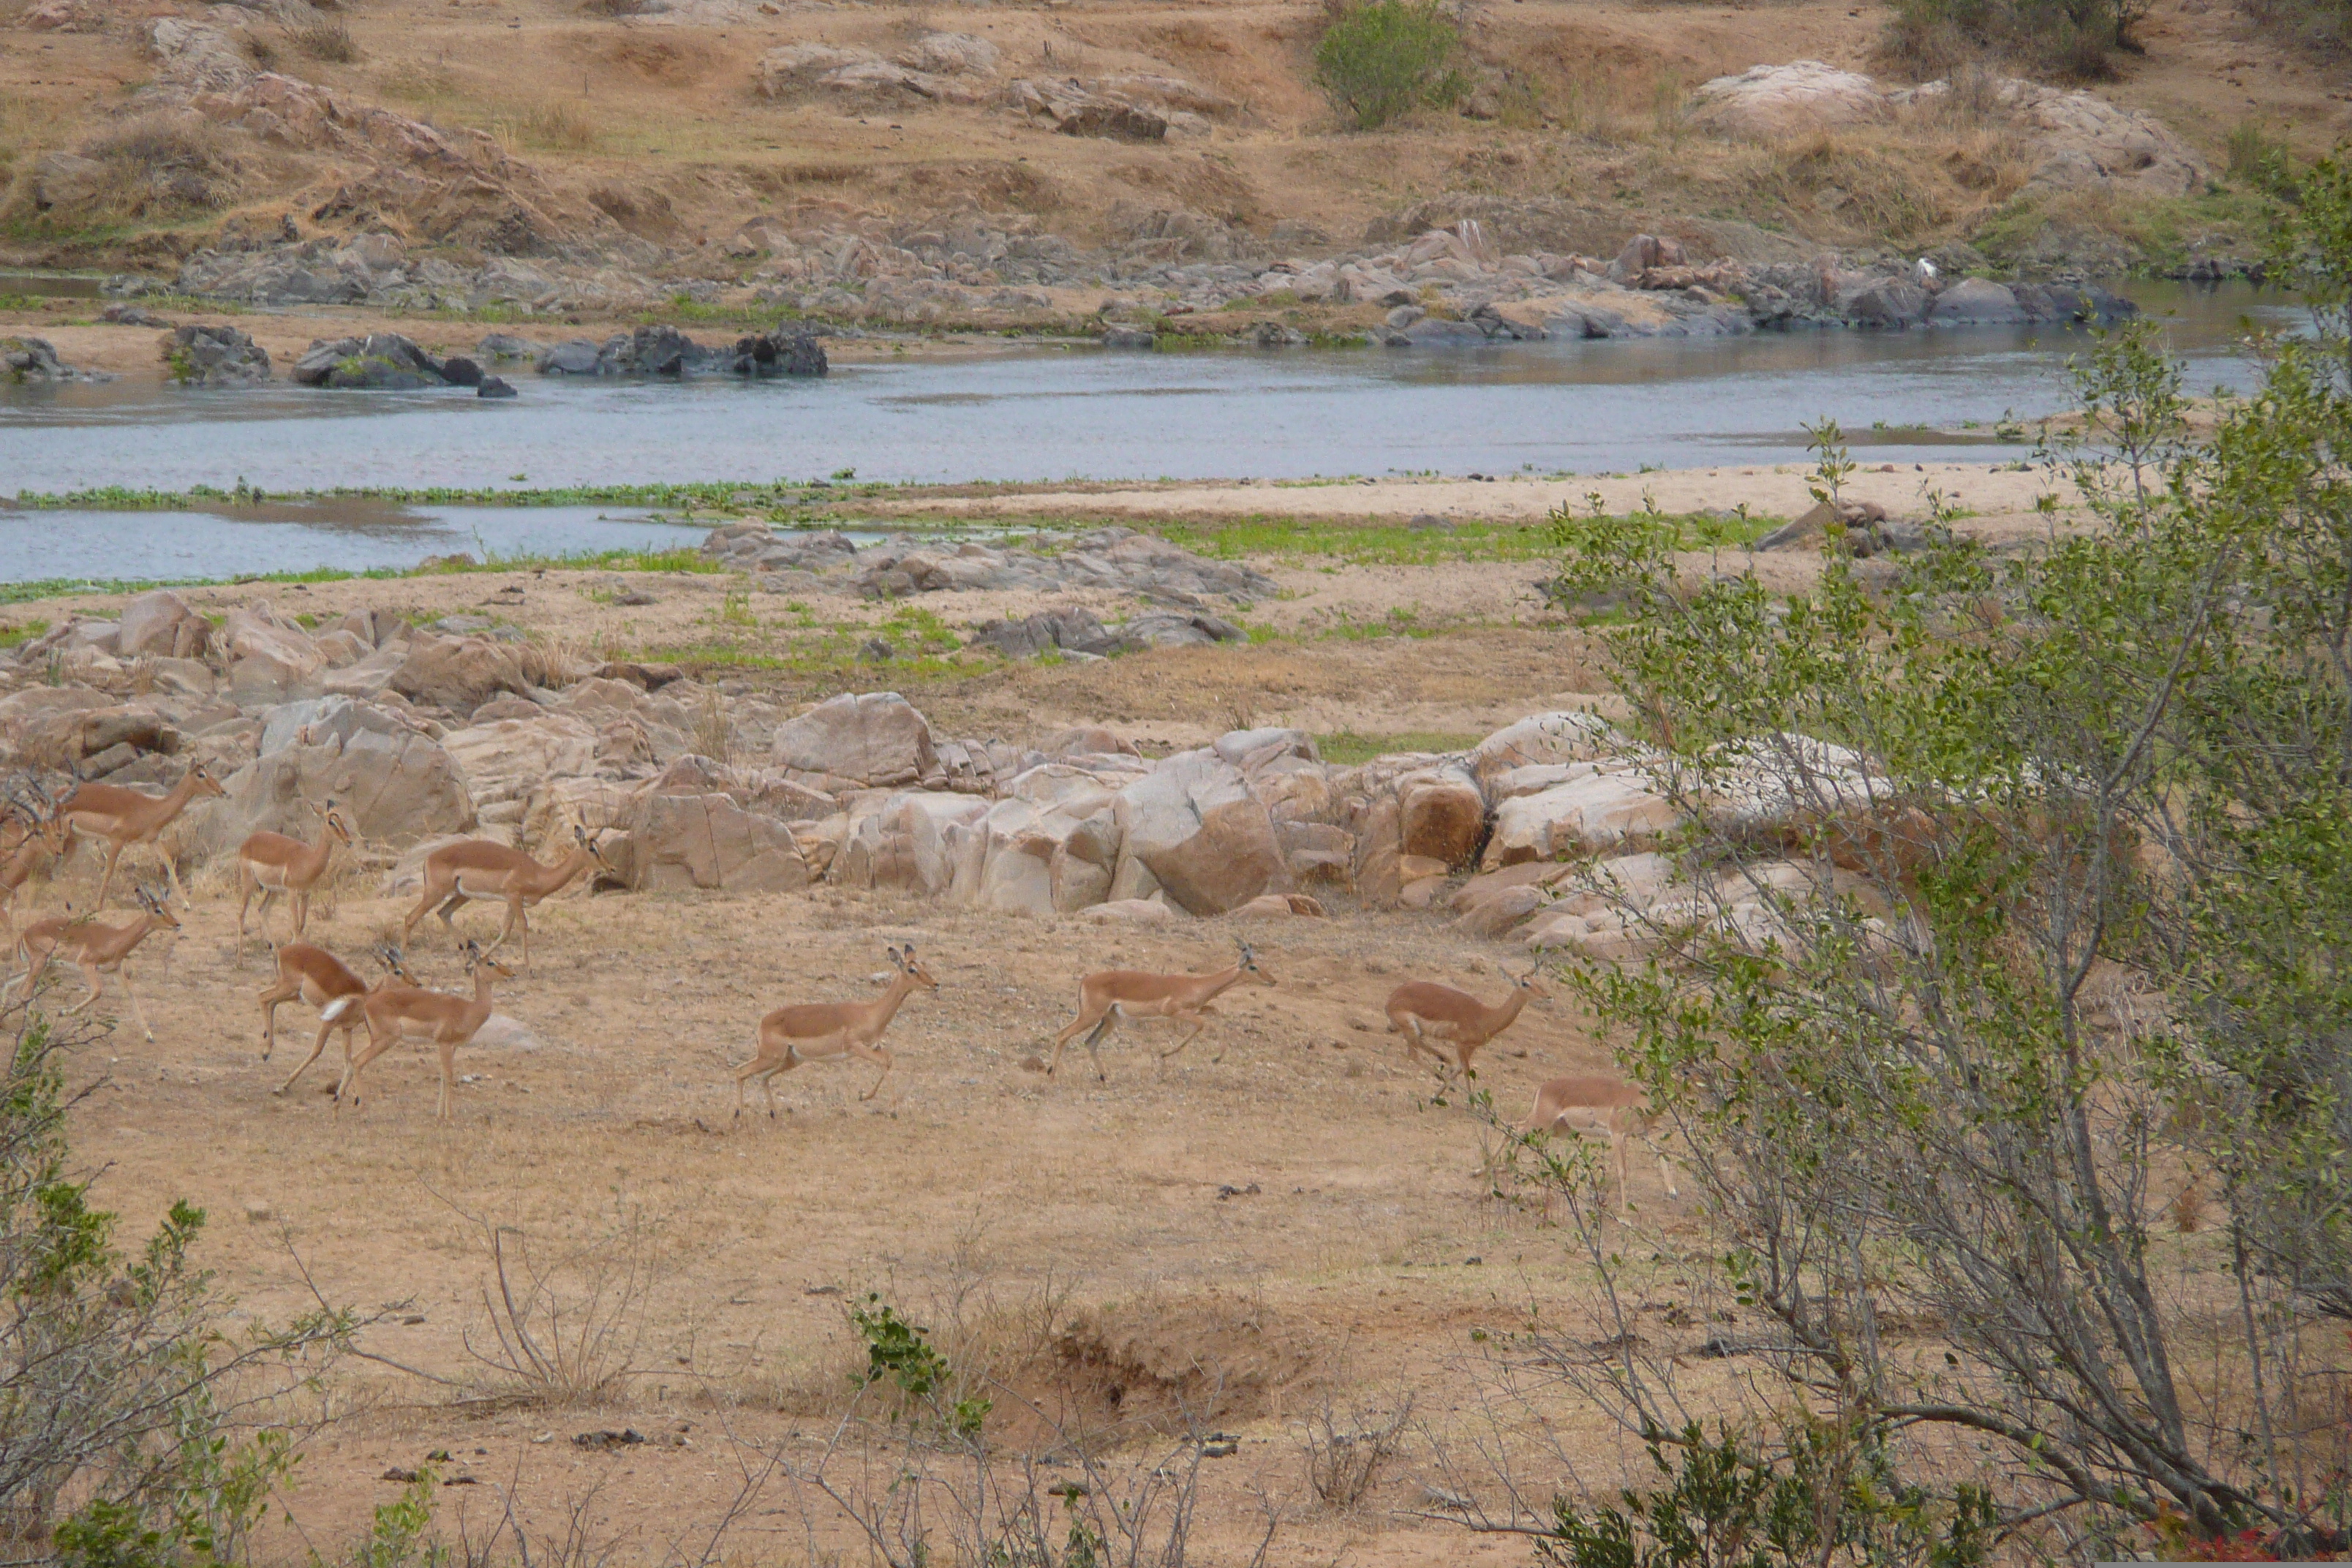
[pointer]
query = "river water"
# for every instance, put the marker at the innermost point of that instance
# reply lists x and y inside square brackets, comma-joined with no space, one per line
[1023,413]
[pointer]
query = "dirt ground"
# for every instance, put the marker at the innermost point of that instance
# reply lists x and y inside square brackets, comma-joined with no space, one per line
[1280,1212]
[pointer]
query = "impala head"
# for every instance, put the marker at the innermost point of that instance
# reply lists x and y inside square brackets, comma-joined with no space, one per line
[911,966]
[339,825]
[476,959]
[205,783]
[1250,971]
[389,956]
[159,908]
[1530,985]
[588,842]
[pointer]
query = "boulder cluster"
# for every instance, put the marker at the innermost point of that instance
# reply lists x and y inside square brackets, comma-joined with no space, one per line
[1118,559]
[420,736]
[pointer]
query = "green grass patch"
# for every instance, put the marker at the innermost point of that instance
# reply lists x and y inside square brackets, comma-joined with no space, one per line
[1348,749]
[14,636]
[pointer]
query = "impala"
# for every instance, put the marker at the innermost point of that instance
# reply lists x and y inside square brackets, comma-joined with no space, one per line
[814,1031]
[1108,996]
[99,948]
[1603,1107]
[1422,1010]
[38,842]
[480,868]
[318,977]
[398,1013]
[272,863]
[124,817]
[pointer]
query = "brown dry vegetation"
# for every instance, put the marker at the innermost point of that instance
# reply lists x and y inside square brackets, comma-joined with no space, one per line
[1589,119]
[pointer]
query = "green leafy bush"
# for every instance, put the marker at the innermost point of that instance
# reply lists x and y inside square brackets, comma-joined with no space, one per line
[1380,60]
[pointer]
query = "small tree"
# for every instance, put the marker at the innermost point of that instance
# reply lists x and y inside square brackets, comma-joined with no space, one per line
[120,1399]
[1382,59]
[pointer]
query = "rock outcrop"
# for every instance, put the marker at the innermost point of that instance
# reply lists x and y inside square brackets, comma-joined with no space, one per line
[213,356]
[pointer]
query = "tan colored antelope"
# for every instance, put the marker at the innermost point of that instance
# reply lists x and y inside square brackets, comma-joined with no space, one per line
[313,975]
[395,1013]
[123,817]
[1422,1010]
[1108,996]
[482,868]
[812,1031]
[1602,1107]
[38,842]
[273,863]
[99,948]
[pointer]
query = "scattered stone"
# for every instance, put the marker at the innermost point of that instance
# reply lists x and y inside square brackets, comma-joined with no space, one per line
[215,356]
[495,386]
[607,1439]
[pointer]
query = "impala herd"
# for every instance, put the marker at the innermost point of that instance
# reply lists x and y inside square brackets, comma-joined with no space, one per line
[1436,1021]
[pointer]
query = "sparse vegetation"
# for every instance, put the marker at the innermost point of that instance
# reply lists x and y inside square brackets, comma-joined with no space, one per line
[329,41]
[2072,40]
[1383,58]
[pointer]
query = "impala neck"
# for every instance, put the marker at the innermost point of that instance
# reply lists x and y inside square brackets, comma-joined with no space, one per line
[1217,984]
[886,1007]
[1509,1009]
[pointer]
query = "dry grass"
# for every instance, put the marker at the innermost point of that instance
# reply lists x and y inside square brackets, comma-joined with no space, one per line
[552,125]
[159,166]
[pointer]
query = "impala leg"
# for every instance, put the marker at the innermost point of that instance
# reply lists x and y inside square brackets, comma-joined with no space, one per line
[1084,1020]
[172,871]
[244,902]
[318,1047]
[1197,1023]
[105,882]
[1111,1015]
[354,1066]
[408,926]
[138,1013]
[447,1109]
[753,1070]
[270,1001]
[873,1054]
[448,914]
[302,902]
[269,896]
[94,981]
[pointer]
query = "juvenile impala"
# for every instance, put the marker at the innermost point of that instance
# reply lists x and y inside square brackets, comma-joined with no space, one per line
[124,817]
[395,1013]
[318,977]
[814,1031]
[99,948]
[1602,1107]
[1108,996]
[480,868]
[1422,1010]
[272,863]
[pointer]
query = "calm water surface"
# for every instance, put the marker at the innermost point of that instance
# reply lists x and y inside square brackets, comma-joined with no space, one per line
[1026,413]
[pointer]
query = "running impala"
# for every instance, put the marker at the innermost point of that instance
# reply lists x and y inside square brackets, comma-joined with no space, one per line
[272,863]
[100,950]
[482,868]
[123,817]
[395,1013]
[1108,996]
[814,1031]
[318,977]
[1422,1010]
[1601,1106]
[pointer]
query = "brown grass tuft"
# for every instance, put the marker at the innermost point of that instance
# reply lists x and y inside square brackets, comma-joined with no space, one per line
[330,41]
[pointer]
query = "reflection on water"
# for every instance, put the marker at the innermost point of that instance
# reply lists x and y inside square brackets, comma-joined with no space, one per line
[352,535]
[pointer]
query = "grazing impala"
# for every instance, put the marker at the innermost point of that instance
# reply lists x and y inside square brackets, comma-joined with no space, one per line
[1108,996]
[480,869]
[1605,1106]
[123,817]
[272,863]
[314,975]
[395,1013]
[814,1031]
[1422,1010]
[99,948]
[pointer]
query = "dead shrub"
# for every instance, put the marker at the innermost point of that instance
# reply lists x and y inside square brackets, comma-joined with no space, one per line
[160,165]
[330,41]
[565,1324]
[1345,1453]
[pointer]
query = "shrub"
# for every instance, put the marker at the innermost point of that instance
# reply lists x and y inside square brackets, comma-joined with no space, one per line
[2262,161]
[2073,40]
[1383,60]
[329,41]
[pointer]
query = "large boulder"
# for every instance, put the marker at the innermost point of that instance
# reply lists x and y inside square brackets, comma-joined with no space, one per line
[269,660]
[1567,736]
[1605,807]
[1050,847]
[1193,823]
[198,355]
[875,737]
[903,842]
[397,784]
[1442,815]
[681,840]
[159,623]
[1766,102]
[459,673]
[507,760]
[1976,301]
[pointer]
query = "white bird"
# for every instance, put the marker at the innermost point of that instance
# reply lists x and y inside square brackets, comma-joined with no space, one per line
[1923,271]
